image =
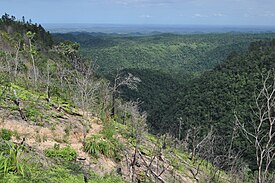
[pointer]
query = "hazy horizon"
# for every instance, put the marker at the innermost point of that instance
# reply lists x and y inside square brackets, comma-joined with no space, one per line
[149,28]
[165,12]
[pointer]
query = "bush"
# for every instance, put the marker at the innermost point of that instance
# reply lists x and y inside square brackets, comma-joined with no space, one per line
[10,163]
[109,130]
[67,153]
[99,144]
[5,134]
[60,174]
[32,113]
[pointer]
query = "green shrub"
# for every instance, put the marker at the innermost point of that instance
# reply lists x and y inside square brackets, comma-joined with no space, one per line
[60,174]
[5,134]
[99,144]
[109,130]
[66,153]
[32,113]
[118,148]
[10,163]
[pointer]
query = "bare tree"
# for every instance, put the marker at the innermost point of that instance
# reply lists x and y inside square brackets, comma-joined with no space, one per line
[220,152]
[17,102]
[261,133]
[198,141]
[85,92]
[86,88]
[16,59]
[200,146]
[129,81]
[33,52]
[8,59]
[180,126]
[105,100]
[48,82]
[138,125]
[71,51]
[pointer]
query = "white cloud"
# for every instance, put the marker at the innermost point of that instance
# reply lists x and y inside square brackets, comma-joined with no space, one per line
[150,2]
[198,15]
[218,15]
[268,14]
[146,16]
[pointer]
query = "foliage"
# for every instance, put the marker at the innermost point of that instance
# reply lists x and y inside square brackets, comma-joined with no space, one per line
[34,107]
[13,169]
[12,26]
[5,134]
[109,129]
[62,175]
[10,161]
[167,53]
[66,153]
[59,174]
[97,144]
[212,99]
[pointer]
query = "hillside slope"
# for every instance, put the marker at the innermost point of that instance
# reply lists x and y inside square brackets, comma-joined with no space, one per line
[58,149]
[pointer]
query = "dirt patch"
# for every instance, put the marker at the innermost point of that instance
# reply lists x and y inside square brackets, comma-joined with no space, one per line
[70,131]
[41,138]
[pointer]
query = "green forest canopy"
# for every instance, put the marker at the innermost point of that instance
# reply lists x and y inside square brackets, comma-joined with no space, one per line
[201,78]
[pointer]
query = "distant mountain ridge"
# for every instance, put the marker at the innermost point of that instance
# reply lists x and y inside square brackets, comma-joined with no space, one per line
[153,29]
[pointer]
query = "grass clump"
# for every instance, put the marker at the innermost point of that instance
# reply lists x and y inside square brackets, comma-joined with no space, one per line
[10,161]
[5,134]
[104,143]
[98,144]
[66,153]
[62,175]
[109,130]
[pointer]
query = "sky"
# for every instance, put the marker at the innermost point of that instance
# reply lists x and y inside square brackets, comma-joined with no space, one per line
[178,12]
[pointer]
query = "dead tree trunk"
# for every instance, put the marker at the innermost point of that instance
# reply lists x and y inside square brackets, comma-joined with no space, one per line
[17,103]
[262,134]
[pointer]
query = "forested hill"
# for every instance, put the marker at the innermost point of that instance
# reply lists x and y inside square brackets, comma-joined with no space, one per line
[164,62]
[210,102]
[216,98]
[168,53]
[191,84]
[215,95]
